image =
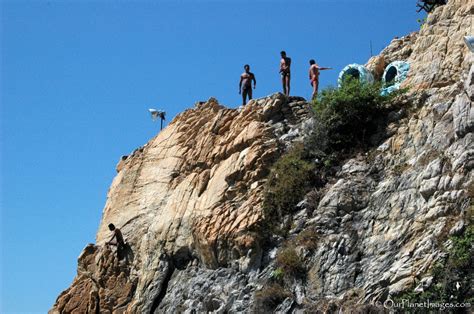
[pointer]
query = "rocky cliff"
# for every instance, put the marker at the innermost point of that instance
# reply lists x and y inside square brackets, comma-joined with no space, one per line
[189,202]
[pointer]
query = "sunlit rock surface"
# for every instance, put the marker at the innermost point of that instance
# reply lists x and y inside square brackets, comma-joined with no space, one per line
[189,202]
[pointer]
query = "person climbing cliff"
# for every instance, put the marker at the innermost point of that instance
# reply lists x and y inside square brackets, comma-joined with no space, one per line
[314,69]
[245,85]
[119,241]
[285,64]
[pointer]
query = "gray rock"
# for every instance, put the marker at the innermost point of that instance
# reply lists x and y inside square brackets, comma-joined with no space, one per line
[469,82]
[457,229]
[463,115]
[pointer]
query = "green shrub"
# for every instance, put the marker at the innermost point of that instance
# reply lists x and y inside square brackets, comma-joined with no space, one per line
[290,262]
[456,268]
[289,180]
[345,120]
[346,117]
[462,253]
[278,274]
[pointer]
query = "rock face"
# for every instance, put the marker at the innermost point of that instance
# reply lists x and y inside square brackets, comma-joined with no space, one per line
[189,201]
[193,193]
[439,56]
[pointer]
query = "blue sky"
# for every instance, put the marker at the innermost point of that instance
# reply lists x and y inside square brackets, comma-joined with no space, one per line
[77,78]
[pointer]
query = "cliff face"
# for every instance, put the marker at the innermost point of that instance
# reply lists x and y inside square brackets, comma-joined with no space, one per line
[189,202]
[192,193]
[196,187]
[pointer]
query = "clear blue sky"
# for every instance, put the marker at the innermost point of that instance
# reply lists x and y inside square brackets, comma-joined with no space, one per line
[77,78]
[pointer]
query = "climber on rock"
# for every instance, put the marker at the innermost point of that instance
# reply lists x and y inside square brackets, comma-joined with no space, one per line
[119,242]
[245,85]
[285,64]
[314,69]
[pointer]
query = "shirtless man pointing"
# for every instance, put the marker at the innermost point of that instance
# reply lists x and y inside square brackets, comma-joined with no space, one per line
[245,85]
[314,69]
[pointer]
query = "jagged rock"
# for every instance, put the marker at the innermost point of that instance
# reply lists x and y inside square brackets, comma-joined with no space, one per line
[463,115]
[201,290]
[439,58]
[398,49]
[457,229]
[469,81]
[194,192]
[299,219]
[102,284]
[381,231]
[285,307]
[189,201]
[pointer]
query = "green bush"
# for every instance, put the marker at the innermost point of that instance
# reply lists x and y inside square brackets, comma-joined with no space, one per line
[290,262]
[278,274]
[345,120]
[346,117]
[456,268]
[462,253]
[289,180]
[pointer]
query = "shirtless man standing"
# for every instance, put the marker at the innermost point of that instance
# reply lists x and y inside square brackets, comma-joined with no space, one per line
[314,69]
[285,63]
[246,80]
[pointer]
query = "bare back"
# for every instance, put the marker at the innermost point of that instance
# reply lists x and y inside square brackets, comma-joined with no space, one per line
[118,236]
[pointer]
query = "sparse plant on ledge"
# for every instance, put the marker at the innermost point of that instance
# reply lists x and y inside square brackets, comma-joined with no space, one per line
[277,274]
[290,262]
[289,180]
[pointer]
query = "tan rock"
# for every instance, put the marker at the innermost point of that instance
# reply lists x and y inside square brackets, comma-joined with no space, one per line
[439,55]
[376,65]
[193,190]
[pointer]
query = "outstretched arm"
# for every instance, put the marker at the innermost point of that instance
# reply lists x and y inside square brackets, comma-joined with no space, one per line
[323,68]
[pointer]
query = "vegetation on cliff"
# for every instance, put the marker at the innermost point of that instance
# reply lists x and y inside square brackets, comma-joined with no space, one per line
[289,180]
[453,277]
[346,119]
[348,116]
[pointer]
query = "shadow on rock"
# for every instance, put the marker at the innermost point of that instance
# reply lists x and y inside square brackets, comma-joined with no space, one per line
[125,252]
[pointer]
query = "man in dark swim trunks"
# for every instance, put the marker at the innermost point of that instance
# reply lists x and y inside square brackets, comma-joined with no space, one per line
[285,64]
[119,242]
[314,69]
[245,85]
